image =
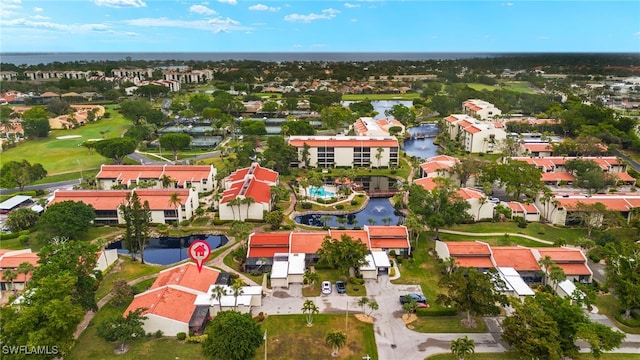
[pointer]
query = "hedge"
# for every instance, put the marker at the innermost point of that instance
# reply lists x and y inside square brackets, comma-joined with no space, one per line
[439,311]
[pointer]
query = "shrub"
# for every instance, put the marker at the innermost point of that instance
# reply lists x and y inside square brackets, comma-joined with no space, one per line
[306,205]
[392,272]
[196,339]
[340,206]
[23,240]
[355,281]
[354,202]
[260,317]
[158,334]
[399,260]
[522,223]
[181,336]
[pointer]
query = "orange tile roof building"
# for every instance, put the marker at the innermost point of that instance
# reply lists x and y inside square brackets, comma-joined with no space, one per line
[200,177]
[346,151]
[525,261]
[480,108]
[368,126]
[554,170]
[475,136]
[253,183]
[106,203]
[561,208]
[263,247]
[10,260]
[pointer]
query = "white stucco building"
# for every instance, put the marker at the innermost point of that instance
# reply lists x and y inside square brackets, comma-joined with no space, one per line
[346,151]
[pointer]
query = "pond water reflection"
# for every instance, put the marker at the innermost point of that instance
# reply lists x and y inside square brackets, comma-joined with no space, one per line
[378,211]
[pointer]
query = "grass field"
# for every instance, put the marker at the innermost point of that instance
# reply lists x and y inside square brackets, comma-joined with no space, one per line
[360,97]
[65,155]
[445,324]
[541,231]
[127,270]
[517,86]
[421,269]
[290,338]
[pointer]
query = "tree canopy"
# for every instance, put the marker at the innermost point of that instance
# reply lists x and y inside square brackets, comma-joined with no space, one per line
[589,175]
[20,173]
[116,148]
[22,219]
[623,273]
[175,142]
[438,207]
[279,154]
[67,218]
[137,217]
[232,336]
[36,122]
[253,127]
[344,253]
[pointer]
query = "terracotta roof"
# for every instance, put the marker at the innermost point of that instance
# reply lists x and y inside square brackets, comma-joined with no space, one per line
[518,207]
[267,252]
[428,183]
[472,129]
[187,275]
[467,193]
[519,258]
[464,123]
[49,94]
[111,199]
[307,243]
[390,243]
[20,278]
[467,248]
[557,176]
[575,269]
[611,203]
[257,189]
[479,262]
[257,171]
[187,173]
[179,173]
[623,176]
[443,158]
[167,302]
[159,198]
[386,231]
[354,234]
[562,254]
[434,166]
[538,147]
[343,141]
[279,238]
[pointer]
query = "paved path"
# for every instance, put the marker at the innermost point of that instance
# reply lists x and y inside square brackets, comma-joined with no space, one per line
[218,262]
[496,234]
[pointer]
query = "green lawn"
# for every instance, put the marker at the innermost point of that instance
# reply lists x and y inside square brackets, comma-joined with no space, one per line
[288,337]
[128,271]
[517,86]
[508,356]
[608,305]
[445,324]
[491,240]
[421,269]
[361,97]
[65,155]
[541,231]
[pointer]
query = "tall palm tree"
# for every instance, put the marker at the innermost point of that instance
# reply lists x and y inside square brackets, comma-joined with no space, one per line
[483,200]
[25,268]
[9,275]
[373,306]
[462,348]
[232,203]
[363,301]
[324,219]
[335,339]
[216,199]
[546,263]
[217,293]
[386,220]
[309,308]
[174,200]
[236,288]
[371,221]
[248,201]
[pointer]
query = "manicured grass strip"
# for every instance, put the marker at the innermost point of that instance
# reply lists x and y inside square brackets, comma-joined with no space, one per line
[508,356]
[361,97]
[127,270]
[445,324]
[608,305]
[541,231]
[288,337]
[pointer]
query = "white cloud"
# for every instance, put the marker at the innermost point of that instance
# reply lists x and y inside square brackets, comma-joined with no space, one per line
[262,7]
[201,9]
[354,20]
[120,3]
[8,7]
[637,35]
[230,2]
[507,4]
[66,28]
[326,14]
[40,17]
[349,5]
[215,25]
[38,9]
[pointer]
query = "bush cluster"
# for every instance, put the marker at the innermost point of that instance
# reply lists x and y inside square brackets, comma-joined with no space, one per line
[196,339]
[436,311]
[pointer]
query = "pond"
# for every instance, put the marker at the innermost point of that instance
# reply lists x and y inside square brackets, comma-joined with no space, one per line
[378,211]
[421,147]
[170,250]
[380,106]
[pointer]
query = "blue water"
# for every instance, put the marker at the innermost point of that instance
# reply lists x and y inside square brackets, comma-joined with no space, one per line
[377,209]
[421,148]
[170,250]
[321,192]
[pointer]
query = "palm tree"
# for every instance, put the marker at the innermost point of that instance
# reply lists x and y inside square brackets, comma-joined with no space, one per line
[324,219]
[363,301]
[335,339]
[463,347]
[355,222]
[373,306]
[232,203]
[236,287]
[248,201]
[386,220]
[25,268]
[165,180]
[309,308]
[174,200]
[9,275]
[371,221]
[311,278]
[483,200]
[557,275]
[342,220]
[379,155]
[216,199]
[546,263]
[217,293]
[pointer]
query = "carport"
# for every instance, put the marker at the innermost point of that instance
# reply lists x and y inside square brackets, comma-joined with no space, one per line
[381,261]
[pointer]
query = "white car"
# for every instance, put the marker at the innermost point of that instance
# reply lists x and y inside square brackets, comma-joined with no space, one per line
[326,287]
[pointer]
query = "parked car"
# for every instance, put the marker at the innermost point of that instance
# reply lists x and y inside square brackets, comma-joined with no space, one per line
[326,287]
[341,287]
[420,299]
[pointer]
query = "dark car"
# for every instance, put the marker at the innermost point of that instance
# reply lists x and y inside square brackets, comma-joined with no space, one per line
[341,286]
[413,296]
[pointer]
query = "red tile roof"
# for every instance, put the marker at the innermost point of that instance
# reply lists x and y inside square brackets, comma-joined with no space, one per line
[557,176]
[187,275]
[575,269]
[111,199]
[343,141]
[467,193]
[307,243]
[561,254]
[518,207]
[179,173]
[389,243]
[279,238]
[611,203]
[538,147]
[519,258]
[472,130]
[257,171]
[483,262]
[165,302]
[354,234]
[428,183]
[9,261]
[386,231]
[468,248]
[268,252]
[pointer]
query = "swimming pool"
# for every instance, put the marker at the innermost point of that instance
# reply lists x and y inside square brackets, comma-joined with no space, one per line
[321,192]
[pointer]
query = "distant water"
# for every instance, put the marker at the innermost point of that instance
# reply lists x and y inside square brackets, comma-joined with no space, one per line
[46,58]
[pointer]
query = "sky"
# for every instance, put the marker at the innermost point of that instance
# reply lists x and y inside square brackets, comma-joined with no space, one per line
[319,26]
